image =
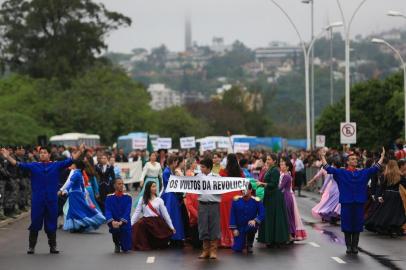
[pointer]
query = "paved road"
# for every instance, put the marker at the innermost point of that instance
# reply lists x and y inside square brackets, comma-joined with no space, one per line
[324,249]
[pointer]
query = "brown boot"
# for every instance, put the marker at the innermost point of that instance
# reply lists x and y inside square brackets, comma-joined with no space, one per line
[213,249]
[206,250]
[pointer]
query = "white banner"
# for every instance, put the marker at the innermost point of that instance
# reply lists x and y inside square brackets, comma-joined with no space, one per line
[140,143]
[130,171]
[208,145]
[206,184]
[241,147]
[164,143]
[187,142]
[224,143]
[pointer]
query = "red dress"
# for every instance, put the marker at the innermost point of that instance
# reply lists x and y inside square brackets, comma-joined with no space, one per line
[227,237]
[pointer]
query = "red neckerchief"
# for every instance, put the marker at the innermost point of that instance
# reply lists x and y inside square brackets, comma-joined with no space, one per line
[119,193]
[350,169]
[246,198]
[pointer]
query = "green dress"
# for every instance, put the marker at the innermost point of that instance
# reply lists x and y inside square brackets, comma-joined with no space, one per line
[274,229]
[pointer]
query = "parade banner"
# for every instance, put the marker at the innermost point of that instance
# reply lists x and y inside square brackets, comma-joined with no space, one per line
[187,142]
[140,143]
[241,147]
[202,184]
[130,171]
[208,145]
[164,143]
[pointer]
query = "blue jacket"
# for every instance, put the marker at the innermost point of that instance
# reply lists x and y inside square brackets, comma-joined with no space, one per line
[118,208]
[243,211]
[353,186]
[45,179]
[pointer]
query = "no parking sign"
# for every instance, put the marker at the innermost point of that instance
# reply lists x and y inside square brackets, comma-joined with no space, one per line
[348,132]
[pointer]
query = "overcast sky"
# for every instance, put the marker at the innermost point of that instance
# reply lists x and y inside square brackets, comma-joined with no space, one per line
[254,22]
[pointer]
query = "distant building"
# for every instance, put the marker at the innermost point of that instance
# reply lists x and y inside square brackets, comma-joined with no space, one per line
[163,97]
[276,53]
[218,46]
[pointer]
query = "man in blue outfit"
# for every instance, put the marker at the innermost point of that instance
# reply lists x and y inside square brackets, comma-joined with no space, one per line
[353,185]
[118,211]
[44,199]
[247,213]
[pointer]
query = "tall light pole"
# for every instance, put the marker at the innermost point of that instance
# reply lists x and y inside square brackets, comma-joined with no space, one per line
[312,108]
[384,42]
[347,29]
[331,68]
[306,62]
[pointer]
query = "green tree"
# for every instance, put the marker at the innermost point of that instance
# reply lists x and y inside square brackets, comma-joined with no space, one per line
[16,128]
[376,109]
[55,38]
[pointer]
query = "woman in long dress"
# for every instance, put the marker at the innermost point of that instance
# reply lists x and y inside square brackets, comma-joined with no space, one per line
[80,215]
[296,228]
[274,229]
[151,224]
[232,170]
[173,203]
[329,207]
[389,217]
[152,171]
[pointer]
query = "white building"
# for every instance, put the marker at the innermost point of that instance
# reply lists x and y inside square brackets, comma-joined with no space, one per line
[163,97]
[276,51]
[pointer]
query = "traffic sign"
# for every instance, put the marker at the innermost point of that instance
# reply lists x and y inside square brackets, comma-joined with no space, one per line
[348,133]
[320,141]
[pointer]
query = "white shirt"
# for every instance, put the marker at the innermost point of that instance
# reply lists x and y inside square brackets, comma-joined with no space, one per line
[209,197]
[299,166]
[151,170]
[143,210]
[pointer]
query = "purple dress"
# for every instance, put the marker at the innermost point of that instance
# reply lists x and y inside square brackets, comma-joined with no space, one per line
[285,185]
[329,206]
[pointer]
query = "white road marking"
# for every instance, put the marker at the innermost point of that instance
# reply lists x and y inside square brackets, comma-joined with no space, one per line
[314,244]
[150,259]
[338,260]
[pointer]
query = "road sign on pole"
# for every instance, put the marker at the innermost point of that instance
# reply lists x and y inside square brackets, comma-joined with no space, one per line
[320,141]
[348,133]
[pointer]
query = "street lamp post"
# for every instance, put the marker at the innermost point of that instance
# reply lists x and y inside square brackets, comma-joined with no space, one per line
[311,60]
[347,28]
[384,42]
[394,13]
[306,55]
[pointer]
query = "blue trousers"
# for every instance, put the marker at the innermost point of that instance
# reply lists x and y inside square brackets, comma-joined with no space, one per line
[245,238]
[352,217]
[44,213]
[122,237]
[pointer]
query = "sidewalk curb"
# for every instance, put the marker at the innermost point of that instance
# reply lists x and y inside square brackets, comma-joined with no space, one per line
[14,220]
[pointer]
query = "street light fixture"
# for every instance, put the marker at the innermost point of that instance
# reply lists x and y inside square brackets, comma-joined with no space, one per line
[384,42]
[394,13]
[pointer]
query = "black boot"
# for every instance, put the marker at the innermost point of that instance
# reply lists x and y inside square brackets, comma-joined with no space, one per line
[116,240]
[355,240]
[32,241]
[250,242]
[52,243]
[348,242]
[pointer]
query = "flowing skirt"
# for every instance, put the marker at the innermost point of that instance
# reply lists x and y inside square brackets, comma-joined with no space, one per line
[300,232]
[290,211]
[80,216]
[389,217]
[91,199]
[150,233]
[174,207]
[329,206]
[227,237]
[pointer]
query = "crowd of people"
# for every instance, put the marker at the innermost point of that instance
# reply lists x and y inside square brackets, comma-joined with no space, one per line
[84,186]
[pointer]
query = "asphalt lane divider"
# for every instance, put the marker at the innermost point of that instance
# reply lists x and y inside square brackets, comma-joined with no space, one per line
[338,260]
[150,259]
[314,244]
